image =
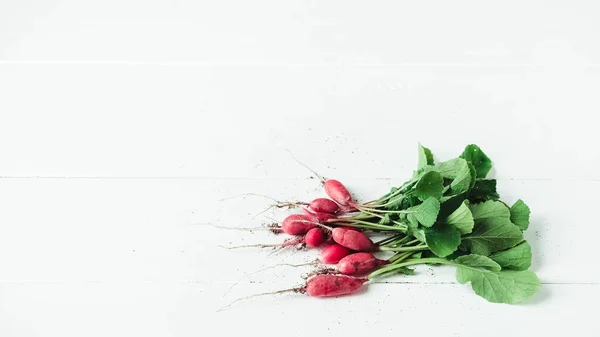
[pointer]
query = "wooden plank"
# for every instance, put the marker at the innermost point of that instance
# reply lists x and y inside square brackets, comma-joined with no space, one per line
[189,309]
[146,229]
[268,31]
[348,122]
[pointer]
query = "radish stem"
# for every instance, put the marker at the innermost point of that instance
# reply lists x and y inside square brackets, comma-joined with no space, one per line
[403,249]
[393,267]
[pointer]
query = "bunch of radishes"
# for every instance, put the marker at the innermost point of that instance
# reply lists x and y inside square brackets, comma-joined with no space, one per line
[447,214]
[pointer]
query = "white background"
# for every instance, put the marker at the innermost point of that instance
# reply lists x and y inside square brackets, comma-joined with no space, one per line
[123,122]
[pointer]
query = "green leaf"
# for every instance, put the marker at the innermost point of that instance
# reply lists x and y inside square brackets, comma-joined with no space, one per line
[412,220]
[456,254]
[473,174]
[519,214]
[431,184]
[492,235]
[442,240]
[450,204]
[498,286]
[405,271]
[483,190]
[478,261]
[489,209]
[427,212]
[516,258]
[419,234]
[462,219]
[386,220]
[425,157]
[451,168]
[395,202]
[480,161]
[458,170]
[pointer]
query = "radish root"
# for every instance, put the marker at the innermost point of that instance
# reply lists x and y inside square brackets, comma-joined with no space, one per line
[249,194]
[269,227]
[300,290]
[321,178]
[282,204]
[321,271]
[315,262]
[286,243]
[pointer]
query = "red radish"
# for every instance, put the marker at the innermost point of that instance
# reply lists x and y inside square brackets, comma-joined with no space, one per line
[336,191]
[315,237]
[320,286]
[334,253]
[332,285]
[324,205]
[297,224]
[320,216]
[347,209]
[359,263]
[353,239]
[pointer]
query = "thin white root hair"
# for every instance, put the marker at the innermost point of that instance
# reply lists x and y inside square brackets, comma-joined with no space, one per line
[306,166]
[315,262]
[294,290]
[249,194]
[282,204]
[235,228]
[258,245]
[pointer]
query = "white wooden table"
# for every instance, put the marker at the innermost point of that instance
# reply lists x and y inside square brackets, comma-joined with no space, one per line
[122,123]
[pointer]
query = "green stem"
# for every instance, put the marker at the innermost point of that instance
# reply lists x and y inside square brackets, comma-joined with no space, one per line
[368,225]
[350,218]
[389,202]
[393,267]
[367,210]
[400,257]
[398,242]
[400,190]
[373,214]
[389,239]
[403,249]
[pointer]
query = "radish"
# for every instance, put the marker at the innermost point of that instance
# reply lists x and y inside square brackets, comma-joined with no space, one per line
[320,216]
[334,253]
[320,286]
[315,237]
[359,263]
[338,192]
[353,239]
[324,205]
[333,285]
[297,224]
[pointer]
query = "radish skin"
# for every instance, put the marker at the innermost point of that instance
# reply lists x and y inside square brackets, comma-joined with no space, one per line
[319,216]
[333,285]
[338,192]
[359,264]
[298,224]
[334,253]
[324,205]
[353,239]
[315,237]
